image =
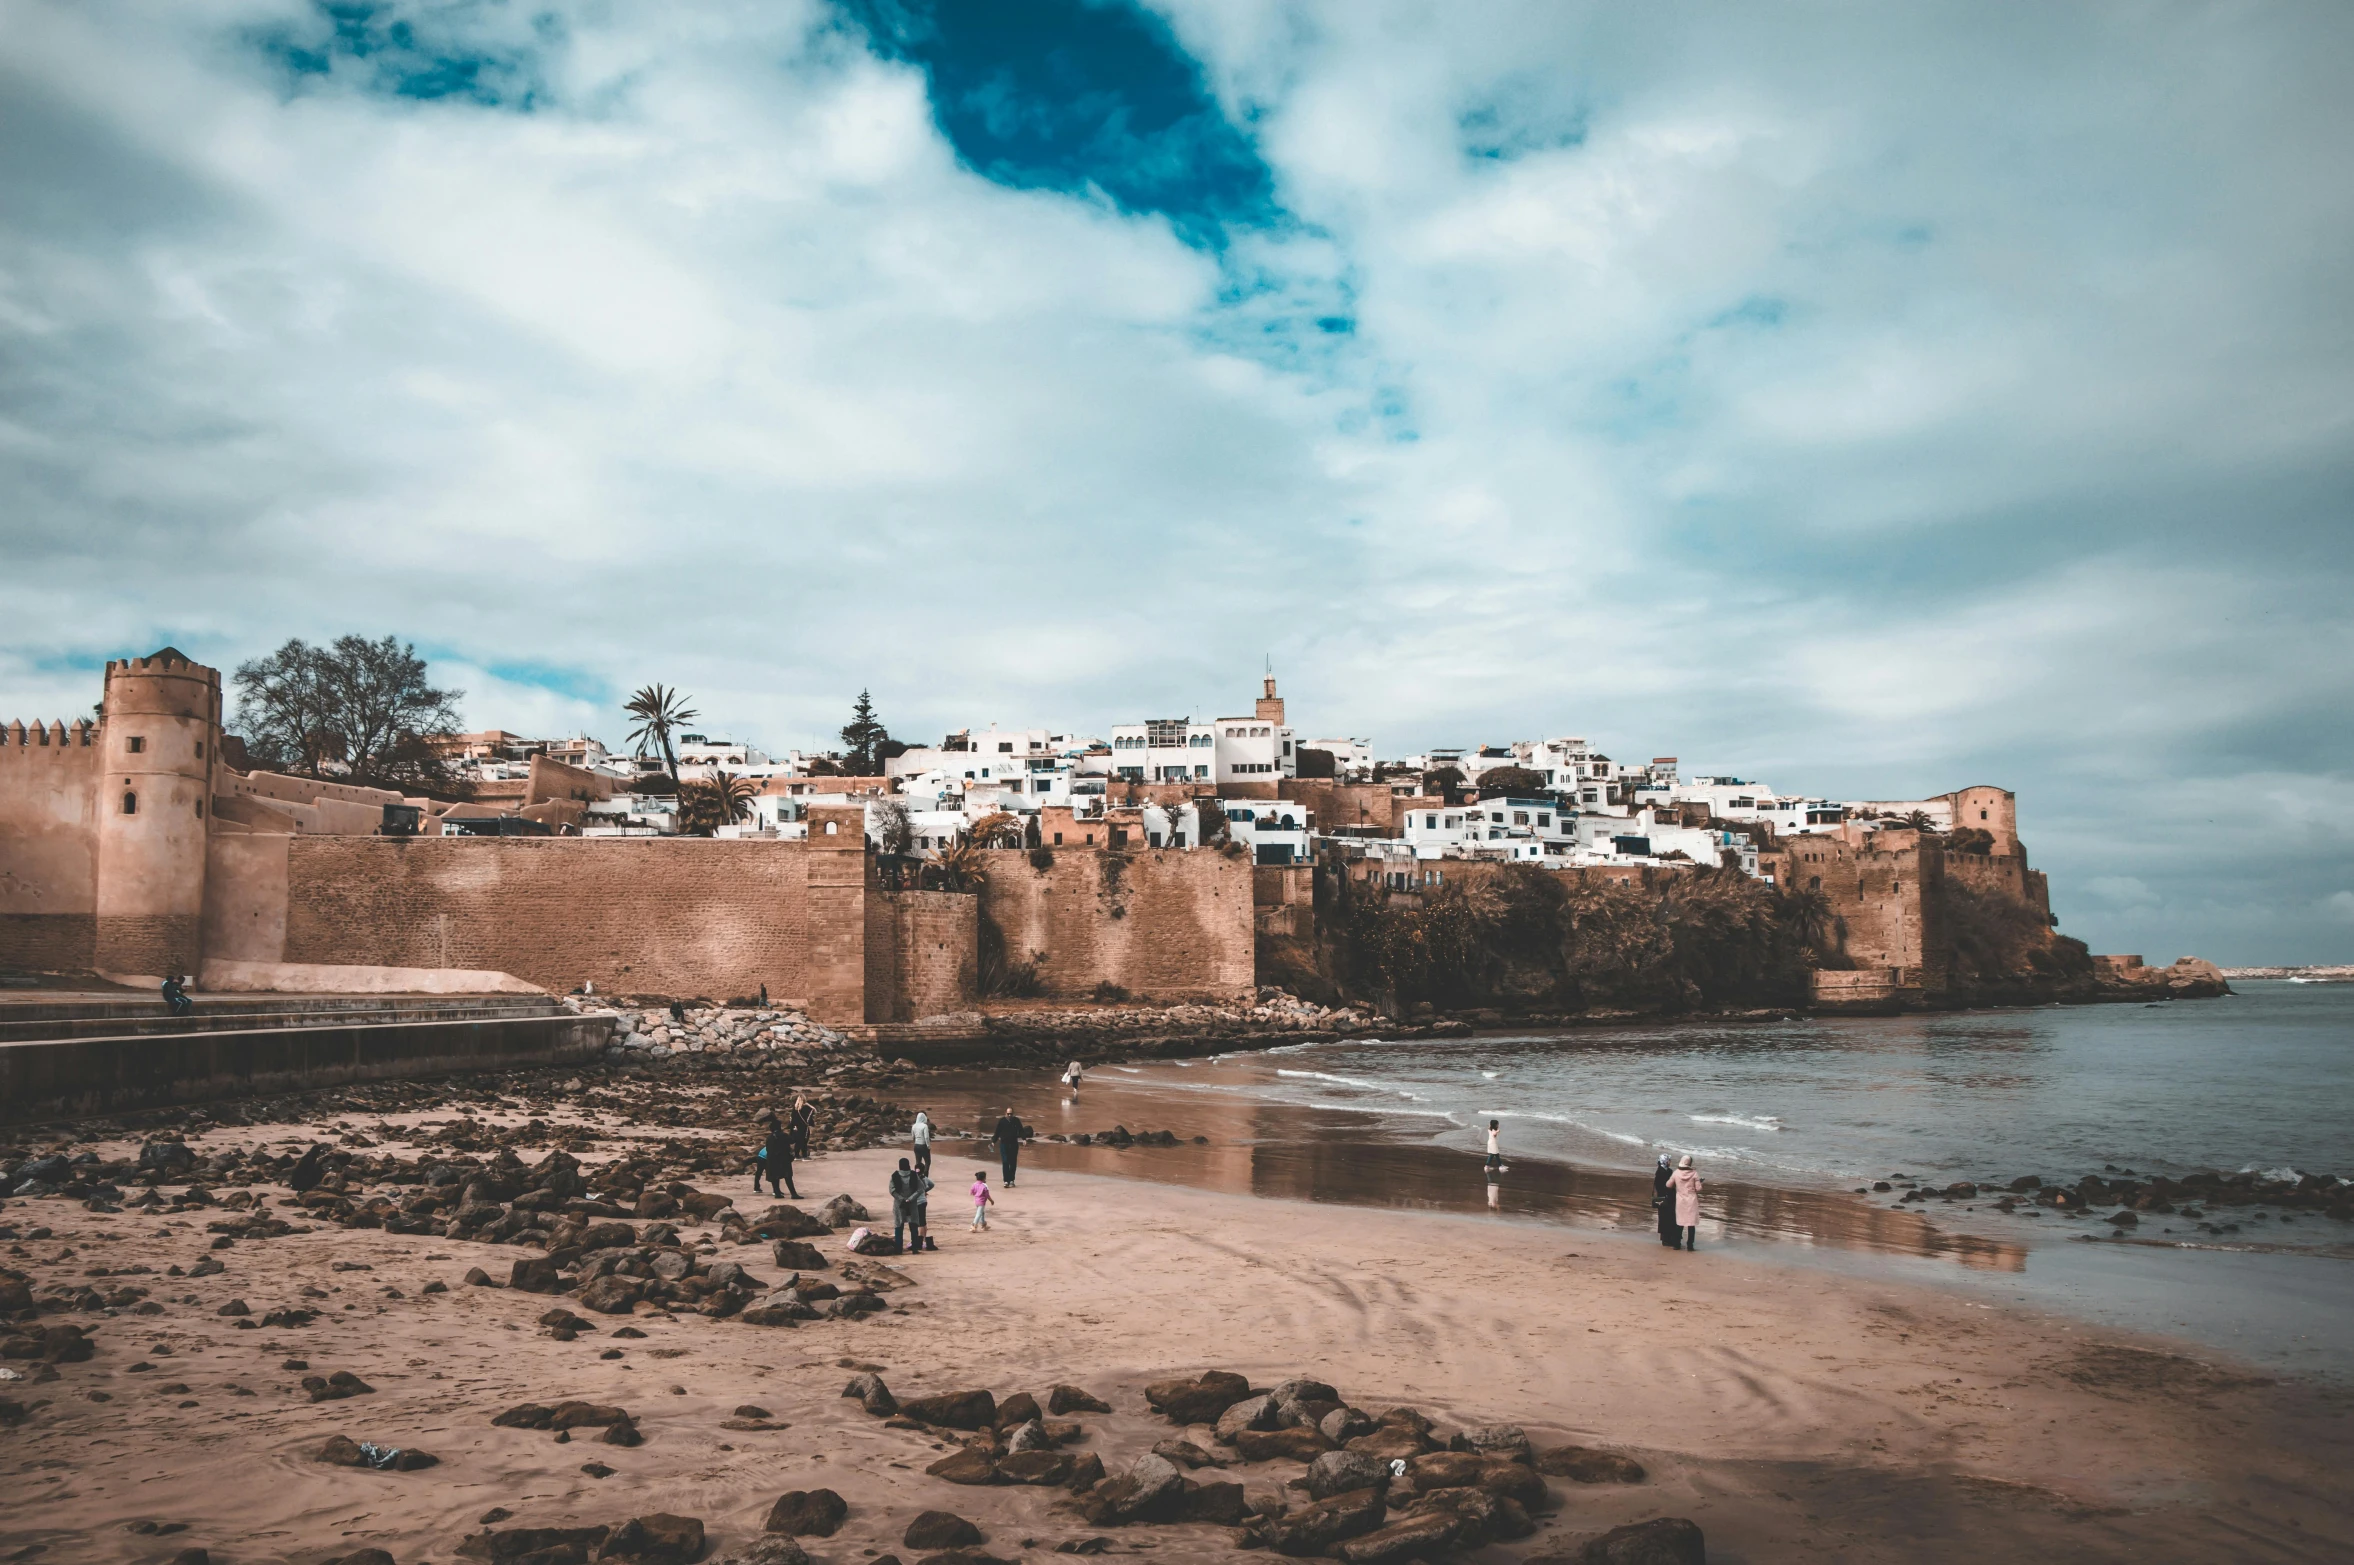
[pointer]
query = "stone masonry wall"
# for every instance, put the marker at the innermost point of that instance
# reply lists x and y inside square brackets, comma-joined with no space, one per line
[674,916]
[48,848]
[922,949]
[1163,924]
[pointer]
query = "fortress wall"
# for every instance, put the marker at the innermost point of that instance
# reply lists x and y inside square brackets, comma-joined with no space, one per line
[48,849]
[245,885]
[1164,924]
[921,953]
[676,915]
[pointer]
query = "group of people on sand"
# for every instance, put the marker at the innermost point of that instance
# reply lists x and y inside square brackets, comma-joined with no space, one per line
[785,1138]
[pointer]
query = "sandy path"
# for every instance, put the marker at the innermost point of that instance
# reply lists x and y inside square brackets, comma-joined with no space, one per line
[1793,1414]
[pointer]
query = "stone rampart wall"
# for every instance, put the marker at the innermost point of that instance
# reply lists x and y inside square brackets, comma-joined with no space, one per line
[676,916]
[1162,924]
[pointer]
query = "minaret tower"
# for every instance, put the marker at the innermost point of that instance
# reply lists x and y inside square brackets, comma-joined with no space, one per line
[160,729]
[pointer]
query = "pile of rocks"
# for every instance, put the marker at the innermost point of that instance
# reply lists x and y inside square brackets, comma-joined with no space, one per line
[2137,1195]
[1274,1011]
[654,1033]
[1375,1488]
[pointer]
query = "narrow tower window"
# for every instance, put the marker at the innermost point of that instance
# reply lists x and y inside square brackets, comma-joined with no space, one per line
[200,809]
[130,802]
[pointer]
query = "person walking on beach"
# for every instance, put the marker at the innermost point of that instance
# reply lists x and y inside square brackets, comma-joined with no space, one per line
[1495,1149]
[1686,1185]
[776,1158]
[906,1189]
[1663,1202]
[1071,1079]
[803,1117]
[923,1142]
[981,1200]
[1008,1136]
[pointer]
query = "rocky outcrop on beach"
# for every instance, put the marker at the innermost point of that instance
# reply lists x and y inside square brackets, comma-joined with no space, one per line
[2192,1197]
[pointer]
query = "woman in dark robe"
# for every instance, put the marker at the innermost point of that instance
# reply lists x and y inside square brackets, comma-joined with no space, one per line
[776,1159]
[1663,1201]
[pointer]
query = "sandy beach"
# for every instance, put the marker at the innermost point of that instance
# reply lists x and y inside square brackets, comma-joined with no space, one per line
[1791,1415]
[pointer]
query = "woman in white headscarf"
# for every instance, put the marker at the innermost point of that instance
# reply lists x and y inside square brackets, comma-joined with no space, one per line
[1686,1186]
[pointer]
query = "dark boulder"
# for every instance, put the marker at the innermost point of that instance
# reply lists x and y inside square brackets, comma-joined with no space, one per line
[953,1409]
[1584,1464]
[872,1395]
[1664,1540]
[1341,1472]
[1413,1538]
[974,1465]
[1071,1399]
[659,1539]
[1271,1445]
[1199,1400]
[807,1513]
[1316,1528]
[798,1255]
[941,1530]
[1036,1467]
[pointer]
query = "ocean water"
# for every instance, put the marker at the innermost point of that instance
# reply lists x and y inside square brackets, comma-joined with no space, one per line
[1790,1123]
[2263,1080]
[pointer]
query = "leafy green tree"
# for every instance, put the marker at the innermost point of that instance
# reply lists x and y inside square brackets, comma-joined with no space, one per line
[1316,763]
[365,710]
[1497,781]
[661,712]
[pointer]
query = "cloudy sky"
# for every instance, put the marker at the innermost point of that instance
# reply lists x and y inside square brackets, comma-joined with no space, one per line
[1866,399]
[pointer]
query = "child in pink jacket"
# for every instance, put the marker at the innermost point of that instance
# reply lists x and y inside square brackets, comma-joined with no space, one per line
[981,1200]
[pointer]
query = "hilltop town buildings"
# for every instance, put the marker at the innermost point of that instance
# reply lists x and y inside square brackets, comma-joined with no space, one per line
[1148,864]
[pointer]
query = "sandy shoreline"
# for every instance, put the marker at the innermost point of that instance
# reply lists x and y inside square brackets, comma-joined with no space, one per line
[1791,1414]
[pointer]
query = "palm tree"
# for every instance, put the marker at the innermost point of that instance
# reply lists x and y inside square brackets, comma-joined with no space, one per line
[1919,820]
[961,866]
[707,804]
[660,711]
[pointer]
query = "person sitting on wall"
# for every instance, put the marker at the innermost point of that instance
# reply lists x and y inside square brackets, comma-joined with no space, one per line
[176,996]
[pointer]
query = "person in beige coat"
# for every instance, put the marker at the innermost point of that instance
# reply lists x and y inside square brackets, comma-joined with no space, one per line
[1684,1190]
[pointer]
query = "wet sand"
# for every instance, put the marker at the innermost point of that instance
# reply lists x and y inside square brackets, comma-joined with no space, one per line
[1794,1415]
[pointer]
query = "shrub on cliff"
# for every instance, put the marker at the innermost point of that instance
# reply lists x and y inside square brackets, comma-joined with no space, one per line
[1525,936]
[1999,940]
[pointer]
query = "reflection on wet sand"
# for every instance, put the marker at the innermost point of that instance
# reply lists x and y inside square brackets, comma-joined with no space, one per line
[1336,1155]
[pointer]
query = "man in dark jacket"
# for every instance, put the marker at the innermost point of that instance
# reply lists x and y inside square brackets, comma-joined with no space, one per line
[908,1191]
[1663,1201]
[1009,1136]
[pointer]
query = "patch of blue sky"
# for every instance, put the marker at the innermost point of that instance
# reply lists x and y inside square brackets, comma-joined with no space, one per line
[1091,98]
[574,684]
[428,52]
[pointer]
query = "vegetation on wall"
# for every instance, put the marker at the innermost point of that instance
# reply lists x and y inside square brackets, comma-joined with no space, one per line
[1526,937]
[1999,940]
[706,804]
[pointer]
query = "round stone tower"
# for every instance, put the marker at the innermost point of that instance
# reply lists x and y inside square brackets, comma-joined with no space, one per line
[160,729]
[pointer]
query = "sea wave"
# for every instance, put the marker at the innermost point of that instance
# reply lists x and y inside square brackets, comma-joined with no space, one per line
[1563,1119]
[1745,1121]
[1351,1081]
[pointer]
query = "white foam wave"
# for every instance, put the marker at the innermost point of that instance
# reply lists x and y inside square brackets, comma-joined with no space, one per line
[1564,1119]
[1351,1081]
[1745,1121]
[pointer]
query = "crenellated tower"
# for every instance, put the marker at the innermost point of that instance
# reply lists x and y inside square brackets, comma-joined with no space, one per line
[160,740]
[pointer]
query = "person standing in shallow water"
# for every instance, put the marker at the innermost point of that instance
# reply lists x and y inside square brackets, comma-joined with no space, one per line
[1663,1202]
[1686,1186]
